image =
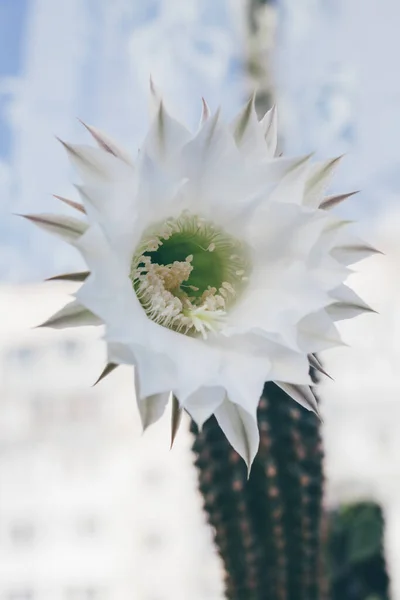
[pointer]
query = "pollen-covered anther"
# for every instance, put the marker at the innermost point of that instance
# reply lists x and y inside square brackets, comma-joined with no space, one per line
[227,286]
[173,286]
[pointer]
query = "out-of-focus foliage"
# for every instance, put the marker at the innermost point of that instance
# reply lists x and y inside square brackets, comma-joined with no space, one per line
[358,570]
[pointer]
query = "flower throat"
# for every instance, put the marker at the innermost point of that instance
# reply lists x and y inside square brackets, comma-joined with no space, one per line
[187,272]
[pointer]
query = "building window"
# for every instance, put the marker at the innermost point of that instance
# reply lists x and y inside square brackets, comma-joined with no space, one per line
[22,355]
[22,533]
[70,348]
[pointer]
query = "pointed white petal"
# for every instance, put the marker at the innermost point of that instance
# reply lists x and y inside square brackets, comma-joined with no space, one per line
[154,373]
[241,430]
[176,418]
[348,304]
[291,187]
[105,255]
[287,365]
[72,315]
[269,124]
[278,299]
[152,408]
[205,113]
[213,166]
[203,403]
[81,276]
[109,368]
[71,203]
[332,201]
[301,394]
[318,182]
[112,206]
[108,144]
[101,258]
[243,120]
[159,192]
[351,253]
[213,140]
[155,99]
[272,170]
[248,134]
[67,228]
[165,138]
[315,364]
[95,165]
[317,332]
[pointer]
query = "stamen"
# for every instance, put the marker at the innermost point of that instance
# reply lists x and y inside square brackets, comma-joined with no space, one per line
[175,292]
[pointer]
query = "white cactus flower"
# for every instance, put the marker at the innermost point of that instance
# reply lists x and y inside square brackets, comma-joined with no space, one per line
[214,265]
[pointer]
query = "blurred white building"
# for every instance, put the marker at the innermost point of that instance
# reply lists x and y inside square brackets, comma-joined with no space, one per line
[362,406]
[89,508]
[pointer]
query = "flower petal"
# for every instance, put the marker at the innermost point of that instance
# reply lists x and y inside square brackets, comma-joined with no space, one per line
[152,408]
[269,124]
[165,138]
[247,132]
[319,180]
[155,98]
[67,228]
[241,430]
[204,402]
[332,201]
[81,276]
[292,186]
[154,373]
[72,315]
[301,394]
[71,203]
[317,332]
[109,368]
[352,253]
[108,144]
[205,113]
[96,166]
[176,418]
[315,364]
[349,304]
[286,364]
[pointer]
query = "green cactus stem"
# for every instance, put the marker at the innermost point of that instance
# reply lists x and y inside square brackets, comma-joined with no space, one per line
[267,529]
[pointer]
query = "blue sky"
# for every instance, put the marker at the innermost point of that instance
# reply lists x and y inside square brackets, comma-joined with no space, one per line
[12,22]
[92,58]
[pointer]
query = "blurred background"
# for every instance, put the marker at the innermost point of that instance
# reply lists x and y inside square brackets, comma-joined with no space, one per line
[91,509]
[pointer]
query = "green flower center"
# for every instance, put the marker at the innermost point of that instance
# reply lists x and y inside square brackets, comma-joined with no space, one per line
[187,273]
